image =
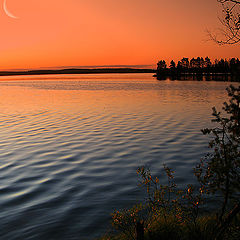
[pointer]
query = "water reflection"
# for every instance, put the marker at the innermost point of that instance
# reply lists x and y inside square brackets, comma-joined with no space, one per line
[202,77]
[70,146]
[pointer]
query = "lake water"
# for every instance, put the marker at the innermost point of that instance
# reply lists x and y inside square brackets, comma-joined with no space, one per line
[70,146]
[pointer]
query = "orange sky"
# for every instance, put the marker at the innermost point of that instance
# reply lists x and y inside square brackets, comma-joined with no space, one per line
[55,33]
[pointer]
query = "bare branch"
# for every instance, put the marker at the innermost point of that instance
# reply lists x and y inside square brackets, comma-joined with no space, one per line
[230,21]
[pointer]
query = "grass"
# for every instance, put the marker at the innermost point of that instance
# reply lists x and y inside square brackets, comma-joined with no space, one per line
[160,228]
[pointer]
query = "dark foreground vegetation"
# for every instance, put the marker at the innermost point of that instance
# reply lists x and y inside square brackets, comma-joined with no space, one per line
[200,67]
[77,71]
[170,212]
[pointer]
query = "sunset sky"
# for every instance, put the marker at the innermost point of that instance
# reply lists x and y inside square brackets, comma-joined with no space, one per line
[68,33]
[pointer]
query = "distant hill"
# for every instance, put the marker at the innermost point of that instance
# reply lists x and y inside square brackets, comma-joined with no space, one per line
[77,71]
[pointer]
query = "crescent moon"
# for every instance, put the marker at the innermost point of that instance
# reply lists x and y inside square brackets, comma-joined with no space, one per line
[6,10]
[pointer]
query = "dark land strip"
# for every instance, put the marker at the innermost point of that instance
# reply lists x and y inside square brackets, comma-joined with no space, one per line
[76,71]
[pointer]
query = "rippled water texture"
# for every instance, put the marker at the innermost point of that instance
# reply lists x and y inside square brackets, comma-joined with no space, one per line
[70,146]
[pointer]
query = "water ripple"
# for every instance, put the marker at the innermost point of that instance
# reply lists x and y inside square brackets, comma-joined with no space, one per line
[70,147]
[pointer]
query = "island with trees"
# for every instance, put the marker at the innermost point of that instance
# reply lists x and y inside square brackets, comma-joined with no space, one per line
[200,68]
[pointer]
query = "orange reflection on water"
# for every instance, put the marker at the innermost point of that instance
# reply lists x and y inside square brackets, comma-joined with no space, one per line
[115,94]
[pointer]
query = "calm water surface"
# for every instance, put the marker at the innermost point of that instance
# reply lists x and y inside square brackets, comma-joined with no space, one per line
[70,146]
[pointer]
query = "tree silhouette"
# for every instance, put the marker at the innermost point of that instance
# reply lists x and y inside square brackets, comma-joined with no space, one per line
[230,33]
[172,65]
[199,66]
[161,64]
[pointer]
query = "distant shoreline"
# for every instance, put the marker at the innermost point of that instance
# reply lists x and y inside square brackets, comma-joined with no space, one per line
[76,71]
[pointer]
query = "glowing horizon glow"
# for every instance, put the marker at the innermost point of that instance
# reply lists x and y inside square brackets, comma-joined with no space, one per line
[97,33]
[8,13]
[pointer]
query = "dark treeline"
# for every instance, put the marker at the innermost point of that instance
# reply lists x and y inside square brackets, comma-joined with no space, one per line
[199,67]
